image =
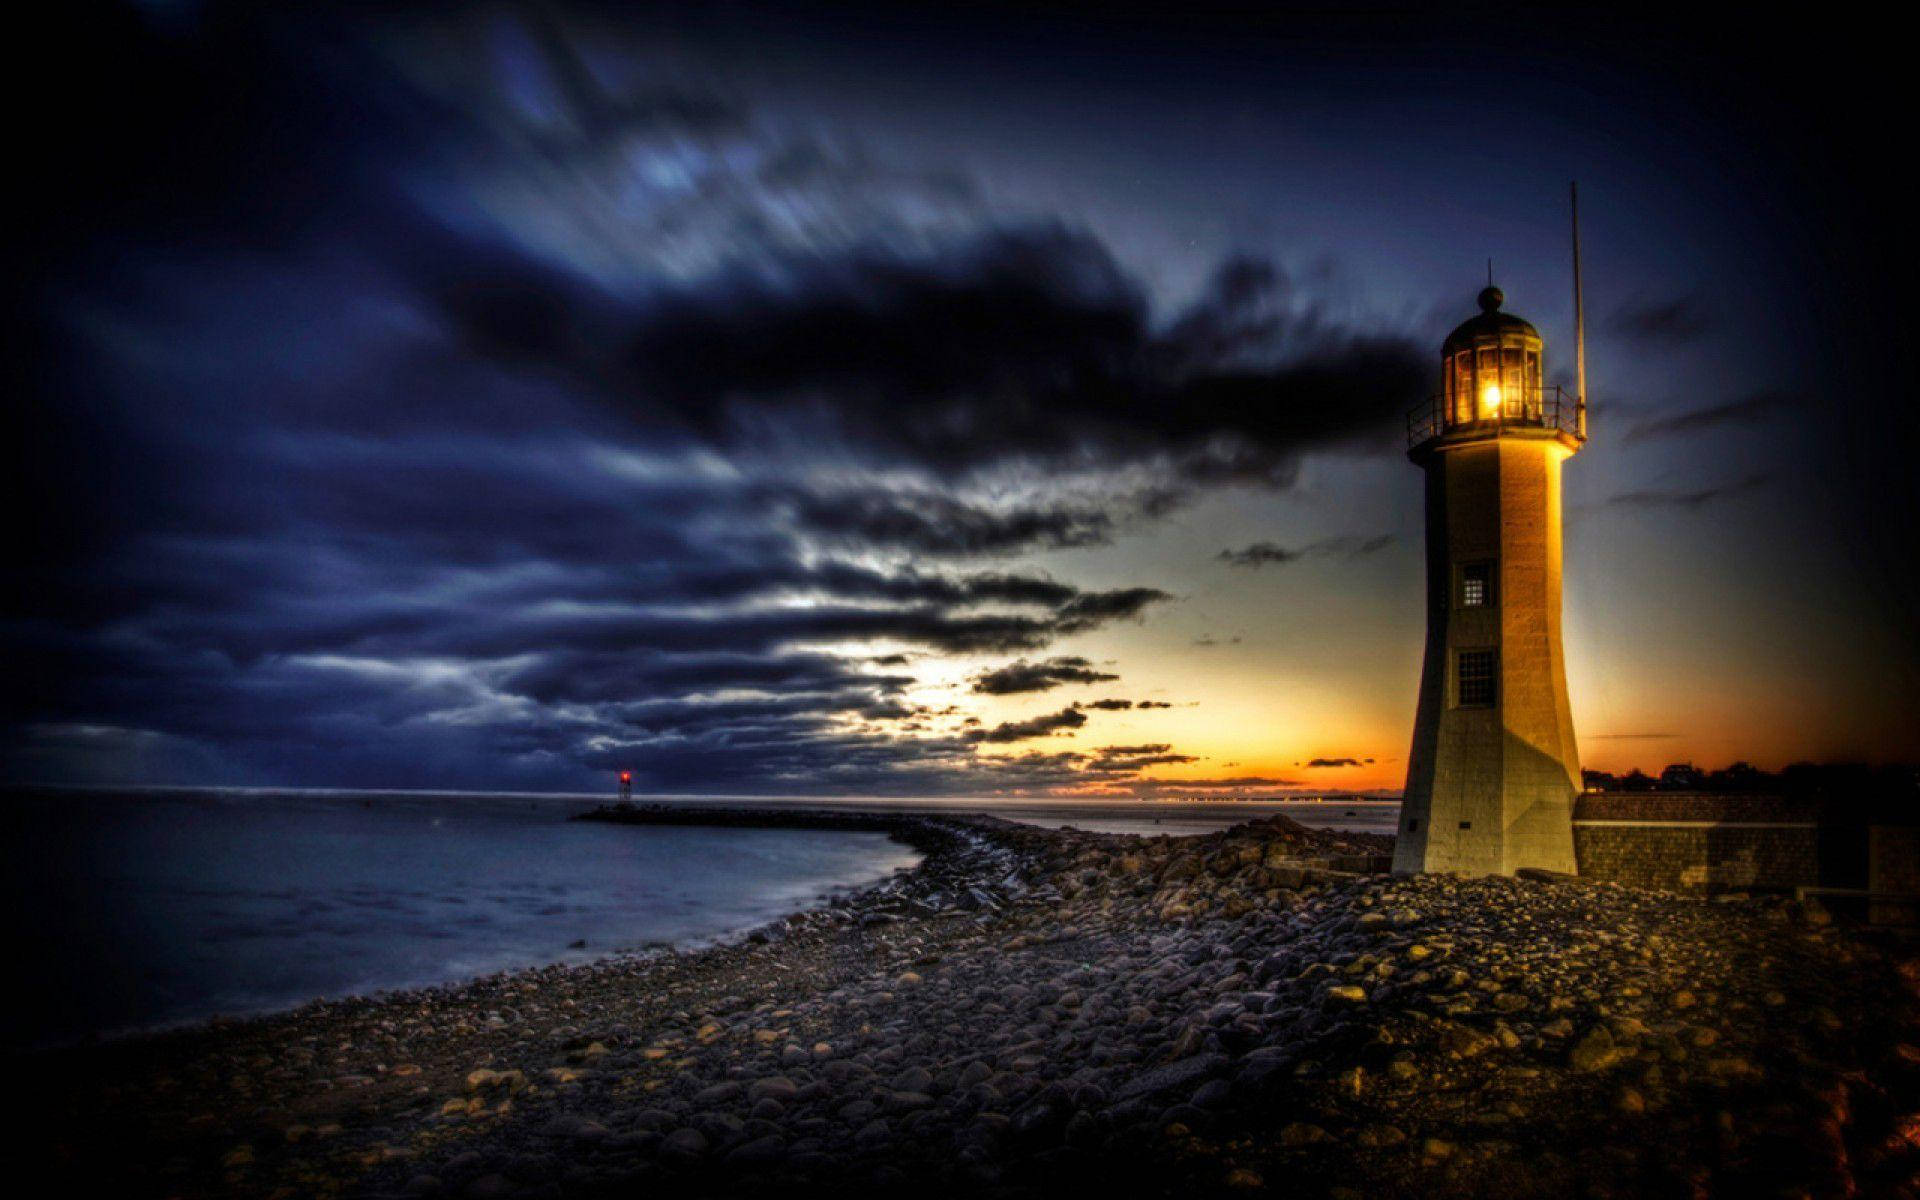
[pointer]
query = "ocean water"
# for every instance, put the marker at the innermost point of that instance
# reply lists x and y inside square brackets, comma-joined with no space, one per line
[131,912]
[1149,818]
[139,910]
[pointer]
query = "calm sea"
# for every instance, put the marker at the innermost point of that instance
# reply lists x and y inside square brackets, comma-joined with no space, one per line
[132,911]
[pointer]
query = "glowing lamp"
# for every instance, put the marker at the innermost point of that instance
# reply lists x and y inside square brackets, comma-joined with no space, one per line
[1492,369]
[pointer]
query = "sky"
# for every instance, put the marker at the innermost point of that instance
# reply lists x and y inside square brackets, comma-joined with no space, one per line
[887,401]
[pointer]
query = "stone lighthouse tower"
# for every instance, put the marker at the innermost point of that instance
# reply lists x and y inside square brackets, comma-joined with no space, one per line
[1493,772]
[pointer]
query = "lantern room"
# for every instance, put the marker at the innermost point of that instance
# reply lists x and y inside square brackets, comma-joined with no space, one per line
[1491,365]
[1493,381]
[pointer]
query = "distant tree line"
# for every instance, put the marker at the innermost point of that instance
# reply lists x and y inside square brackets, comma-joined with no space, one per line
[1894,789]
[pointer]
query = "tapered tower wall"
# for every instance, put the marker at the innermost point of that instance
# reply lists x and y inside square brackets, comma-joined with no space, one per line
[1490,788]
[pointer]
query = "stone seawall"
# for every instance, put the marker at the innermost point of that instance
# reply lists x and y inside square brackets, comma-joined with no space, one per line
[1697,843]
[1893,870]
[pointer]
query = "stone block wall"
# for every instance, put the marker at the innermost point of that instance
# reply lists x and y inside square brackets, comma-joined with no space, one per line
[1893,869]
[1697,842]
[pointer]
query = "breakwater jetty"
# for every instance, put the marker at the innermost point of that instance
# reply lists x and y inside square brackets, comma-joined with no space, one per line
[1032,1011]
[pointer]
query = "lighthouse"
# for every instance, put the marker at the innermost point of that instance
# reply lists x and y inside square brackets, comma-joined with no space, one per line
[1494,770]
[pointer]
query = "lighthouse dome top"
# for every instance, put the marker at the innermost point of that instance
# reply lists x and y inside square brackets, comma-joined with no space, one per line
[1493,385]
[1492,326]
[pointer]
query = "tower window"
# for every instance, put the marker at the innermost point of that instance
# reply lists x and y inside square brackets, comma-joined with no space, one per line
[1474,678]
[1476,585]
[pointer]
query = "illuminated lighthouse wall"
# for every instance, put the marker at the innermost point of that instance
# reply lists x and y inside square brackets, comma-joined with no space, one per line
[1494,768]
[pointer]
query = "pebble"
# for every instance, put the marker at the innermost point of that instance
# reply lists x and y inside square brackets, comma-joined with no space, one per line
[1595,1051]
[684,1144]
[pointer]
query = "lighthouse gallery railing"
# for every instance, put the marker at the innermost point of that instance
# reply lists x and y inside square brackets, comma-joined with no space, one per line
[1532,408]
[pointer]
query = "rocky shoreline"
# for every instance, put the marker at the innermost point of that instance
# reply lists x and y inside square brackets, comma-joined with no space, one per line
[1034,1010]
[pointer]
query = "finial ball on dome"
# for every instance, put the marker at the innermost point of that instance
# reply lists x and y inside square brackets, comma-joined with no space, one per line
[1491,298]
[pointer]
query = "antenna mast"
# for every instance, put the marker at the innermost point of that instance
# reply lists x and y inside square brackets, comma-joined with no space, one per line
[1579,327]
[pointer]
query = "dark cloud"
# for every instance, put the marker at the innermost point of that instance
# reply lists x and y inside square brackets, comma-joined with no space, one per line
[1241,786]
[1034,727]
[1334,762]
[1260,554]
[1090,610]
[1685,498]
[1024,676]
[1744,411]
[1008,344]
[1140,763]
[1126,760]
[578,676]
[926,522]
[989,587]
[1026,344]
[1677,320]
